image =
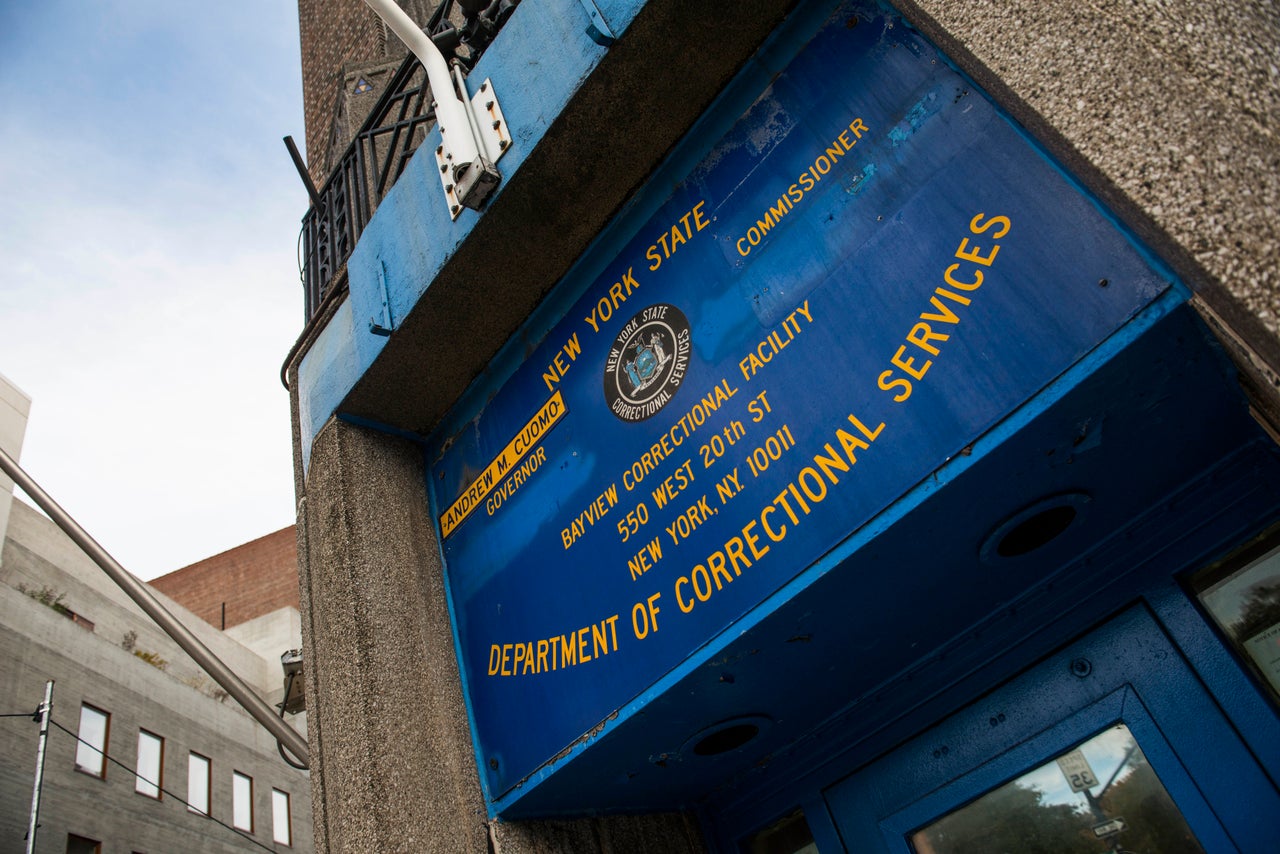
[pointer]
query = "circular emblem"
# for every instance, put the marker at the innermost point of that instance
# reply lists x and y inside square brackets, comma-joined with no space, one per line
[647,362]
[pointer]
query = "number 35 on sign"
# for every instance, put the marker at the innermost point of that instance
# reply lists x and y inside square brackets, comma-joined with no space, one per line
[1077,771]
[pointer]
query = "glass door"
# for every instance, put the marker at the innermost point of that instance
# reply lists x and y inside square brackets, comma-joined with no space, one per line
[1101,796]
[1111,746]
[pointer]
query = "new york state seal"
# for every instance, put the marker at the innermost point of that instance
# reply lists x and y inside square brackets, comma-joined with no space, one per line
[647,362]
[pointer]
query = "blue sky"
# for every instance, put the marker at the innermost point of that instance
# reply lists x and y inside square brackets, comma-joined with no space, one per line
[149,290]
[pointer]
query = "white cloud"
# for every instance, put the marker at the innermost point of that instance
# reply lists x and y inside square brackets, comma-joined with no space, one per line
[151,292]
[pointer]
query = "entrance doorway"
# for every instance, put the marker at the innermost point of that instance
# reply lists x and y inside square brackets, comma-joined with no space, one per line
[1111,745]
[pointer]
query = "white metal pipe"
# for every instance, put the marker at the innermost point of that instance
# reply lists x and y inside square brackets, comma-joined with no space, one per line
[451,113]
[146,600]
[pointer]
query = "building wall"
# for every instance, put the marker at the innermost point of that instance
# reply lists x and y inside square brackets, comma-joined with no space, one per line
[239,584]
[1170,112]
[14,408]
[270,635]
[163,693]
[38,556]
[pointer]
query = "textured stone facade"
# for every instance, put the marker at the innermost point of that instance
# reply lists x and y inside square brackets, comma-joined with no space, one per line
[1170,111]
[112,657]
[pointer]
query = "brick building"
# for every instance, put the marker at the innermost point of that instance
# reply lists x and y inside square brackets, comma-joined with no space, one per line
[240,584]
[347,55]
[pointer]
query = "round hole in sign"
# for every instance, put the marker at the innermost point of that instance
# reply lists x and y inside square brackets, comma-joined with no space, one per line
[724,740]
[726,736]
[1034,527]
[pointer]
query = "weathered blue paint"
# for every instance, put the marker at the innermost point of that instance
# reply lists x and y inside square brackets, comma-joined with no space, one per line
[895,627]
[327,373]
[411,235]
[833,286]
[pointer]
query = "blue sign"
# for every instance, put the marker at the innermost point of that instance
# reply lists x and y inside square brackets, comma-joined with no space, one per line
[871,269]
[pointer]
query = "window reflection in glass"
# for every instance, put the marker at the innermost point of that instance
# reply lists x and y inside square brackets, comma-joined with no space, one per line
[150,761]
[1245,603]
[92,742]
[242,801]
[199,777]
[281,831]
[1100,798]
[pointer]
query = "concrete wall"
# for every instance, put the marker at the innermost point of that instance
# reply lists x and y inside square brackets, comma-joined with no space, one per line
[37,555]
[270,635]
[37,644]
[396,769]
[1170,112]
[397,772]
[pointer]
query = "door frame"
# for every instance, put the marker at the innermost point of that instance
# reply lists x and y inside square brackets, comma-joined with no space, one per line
[1128,670]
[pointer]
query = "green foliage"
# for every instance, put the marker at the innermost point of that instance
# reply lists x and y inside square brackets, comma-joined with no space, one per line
[1260,612]
[48,597]
[1152,821]
[1013,820]
[151,658]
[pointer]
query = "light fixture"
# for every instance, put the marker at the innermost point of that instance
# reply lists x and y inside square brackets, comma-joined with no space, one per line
[295,692]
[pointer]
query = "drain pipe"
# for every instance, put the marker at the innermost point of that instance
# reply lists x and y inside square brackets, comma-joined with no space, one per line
[473,173]
[146,600]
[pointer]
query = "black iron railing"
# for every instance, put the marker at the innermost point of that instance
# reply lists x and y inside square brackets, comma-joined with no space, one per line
[384,144]
[388,138]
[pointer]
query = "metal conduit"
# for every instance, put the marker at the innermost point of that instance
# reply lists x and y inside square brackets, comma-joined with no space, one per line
[142,595]
[451,114]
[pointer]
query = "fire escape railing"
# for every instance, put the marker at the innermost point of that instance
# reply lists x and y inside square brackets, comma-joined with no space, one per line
[370,166]
[381,149]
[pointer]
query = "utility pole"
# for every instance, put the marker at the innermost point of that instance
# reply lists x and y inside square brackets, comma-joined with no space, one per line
[44,713]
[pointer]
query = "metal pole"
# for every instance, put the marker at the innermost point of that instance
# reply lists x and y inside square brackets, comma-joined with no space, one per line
[301,166]
[45,712]
[142,595]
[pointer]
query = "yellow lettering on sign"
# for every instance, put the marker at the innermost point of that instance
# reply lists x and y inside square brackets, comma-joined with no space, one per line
[525,441]
[545,655]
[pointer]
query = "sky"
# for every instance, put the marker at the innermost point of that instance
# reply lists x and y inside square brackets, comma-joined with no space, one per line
[149,289]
